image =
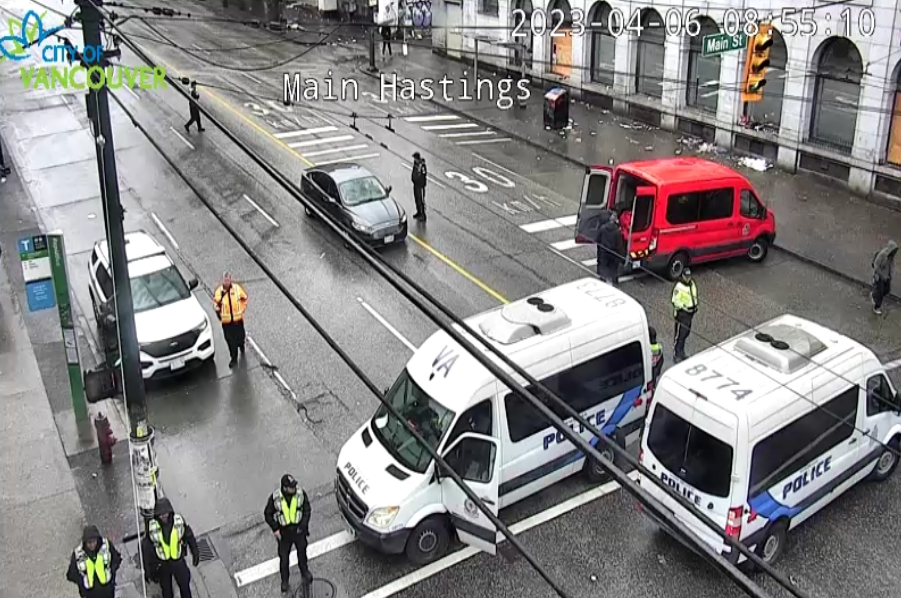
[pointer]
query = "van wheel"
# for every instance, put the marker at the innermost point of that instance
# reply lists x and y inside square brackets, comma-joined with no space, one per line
[593,470]
[429,541]
[758,250]
[677,265]
[887,462]
[771,547]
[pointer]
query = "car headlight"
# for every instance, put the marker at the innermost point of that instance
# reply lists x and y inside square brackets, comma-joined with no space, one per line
[382,517]
[403,218]
[361,226]
[202,325]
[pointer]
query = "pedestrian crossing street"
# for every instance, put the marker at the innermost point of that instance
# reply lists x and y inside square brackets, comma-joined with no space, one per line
[457,130]
[327,145]
[559,233]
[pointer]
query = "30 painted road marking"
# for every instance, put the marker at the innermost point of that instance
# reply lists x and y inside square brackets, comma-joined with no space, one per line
[381,320]
[180,136]
[260,210]
[303,132]
[163,229]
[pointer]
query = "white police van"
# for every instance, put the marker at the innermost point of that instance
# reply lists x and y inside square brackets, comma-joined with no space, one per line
[586,341]
[728,431]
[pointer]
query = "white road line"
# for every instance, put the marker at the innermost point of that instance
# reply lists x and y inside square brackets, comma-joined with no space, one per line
[477,141]
[472,134]
[281,380]
[592,262]
[349,148]
[434,180]
[378,317]
[431,118]
[199,49]
[517,528]
[314,550]
[260,210]
[892,365]
[546,225]
[564,245]
[252,78]
[132,92]
[322,117]
[320,141]
[165,231]
[180,136]
[303,132]
[259,351]
[499,167]
[446,127]
[349,159]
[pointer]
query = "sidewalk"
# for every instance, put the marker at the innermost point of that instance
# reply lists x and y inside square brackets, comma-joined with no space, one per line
[816,222]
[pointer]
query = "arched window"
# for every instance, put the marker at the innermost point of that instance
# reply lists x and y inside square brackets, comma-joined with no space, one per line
[837,94]
[562,45]
[603,45]
[527,41]
[703,89]
[651,49]
[893,152]
[769,109]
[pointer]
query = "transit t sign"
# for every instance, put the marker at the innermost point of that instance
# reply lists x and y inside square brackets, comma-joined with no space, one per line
[720,43]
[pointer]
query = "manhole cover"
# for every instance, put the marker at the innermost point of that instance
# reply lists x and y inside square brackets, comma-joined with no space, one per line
[319,588]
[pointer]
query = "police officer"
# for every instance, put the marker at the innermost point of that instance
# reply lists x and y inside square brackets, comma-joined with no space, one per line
[420,177]
[656,355]
[230,302]
[168,534]
[685,305]
[94,565]
[288,514]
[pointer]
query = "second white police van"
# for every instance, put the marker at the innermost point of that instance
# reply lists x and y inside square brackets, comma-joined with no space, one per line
[586,341]
[766,429]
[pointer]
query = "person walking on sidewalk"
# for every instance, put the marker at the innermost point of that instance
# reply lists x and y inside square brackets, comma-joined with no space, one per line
[883,265]
[169,533]
[420,177]
[386,40]
[287,513]
[94,565]
[685,306]
[230,302]
[195,111]
[611,248]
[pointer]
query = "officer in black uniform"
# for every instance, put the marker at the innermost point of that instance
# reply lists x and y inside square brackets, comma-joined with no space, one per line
[288,514]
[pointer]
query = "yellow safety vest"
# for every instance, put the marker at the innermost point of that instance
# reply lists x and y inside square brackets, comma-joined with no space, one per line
[289,514]
[170,551]
[231,304]
[685,297]
[655,349]
[91,568]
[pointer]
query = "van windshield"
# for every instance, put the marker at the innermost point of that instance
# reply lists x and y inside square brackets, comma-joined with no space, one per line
[427,416]
[690,453]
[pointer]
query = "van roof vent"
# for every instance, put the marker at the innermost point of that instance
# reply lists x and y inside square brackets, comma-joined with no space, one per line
[784,348]
[524,319]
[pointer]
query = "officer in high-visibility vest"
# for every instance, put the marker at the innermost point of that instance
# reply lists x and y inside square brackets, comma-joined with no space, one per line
[656,355]
[168,534]
[288,514]
[94,565]
[230,302]
[685,306]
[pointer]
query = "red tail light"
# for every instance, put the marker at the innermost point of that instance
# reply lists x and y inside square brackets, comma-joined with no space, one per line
[638,402]
[652,247]
[733,523]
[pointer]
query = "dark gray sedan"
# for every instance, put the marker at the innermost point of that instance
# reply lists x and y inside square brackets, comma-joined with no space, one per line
[355,197]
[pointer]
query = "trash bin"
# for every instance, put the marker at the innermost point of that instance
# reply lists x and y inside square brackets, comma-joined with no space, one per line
[556,108]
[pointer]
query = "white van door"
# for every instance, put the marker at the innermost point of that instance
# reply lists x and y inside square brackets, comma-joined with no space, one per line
[593,204]
[475,458]
[881,413]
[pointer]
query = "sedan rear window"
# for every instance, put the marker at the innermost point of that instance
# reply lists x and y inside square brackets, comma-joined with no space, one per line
[690,453]
[358,191]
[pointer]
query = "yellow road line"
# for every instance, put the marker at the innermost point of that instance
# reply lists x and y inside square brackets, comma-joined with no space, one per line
[452,264]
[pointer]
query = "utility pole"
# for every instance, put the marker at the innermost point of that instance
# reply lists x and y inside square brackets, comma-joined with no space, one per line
[143,458]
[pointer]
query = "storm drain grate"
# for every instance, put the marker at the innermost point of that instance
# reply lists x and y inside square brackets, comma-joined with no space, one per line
[319,588]
[206,550]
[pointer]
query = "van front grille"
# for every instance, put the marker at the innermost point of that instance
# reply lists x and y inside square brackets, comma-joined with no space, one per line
[350,499]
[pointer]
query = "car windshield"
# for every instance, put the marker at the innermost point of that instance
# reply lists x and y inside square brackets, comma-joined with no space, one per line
[157,289]
[424,414]
[359,191]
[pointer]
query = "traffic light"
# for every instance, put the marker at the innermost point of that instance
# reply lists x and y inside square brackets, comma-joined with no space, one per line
[756,64]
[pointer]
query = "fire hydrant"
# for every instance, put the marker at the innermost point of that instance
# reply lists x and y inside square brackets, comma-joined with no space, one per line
[105,438]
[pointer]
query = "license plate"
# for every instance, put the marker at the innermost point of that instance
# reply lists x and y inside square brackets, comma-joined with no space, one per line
[389,239]
[177,364]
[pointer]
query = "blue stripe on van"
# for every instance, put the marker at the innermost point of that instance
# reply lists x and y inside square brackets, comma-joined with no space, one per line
[769,508]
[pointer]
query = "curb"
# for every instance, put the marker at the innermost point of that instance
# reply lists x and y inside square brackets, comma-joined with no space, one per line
[801,257]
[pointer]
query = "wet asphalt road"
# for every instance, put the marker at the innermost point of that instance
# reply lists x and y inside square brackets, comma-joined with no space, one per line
[472,253]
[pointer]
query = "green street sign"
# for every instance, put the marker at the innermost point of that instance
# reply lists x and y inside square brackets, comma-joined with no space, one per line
[67,323]
[720,43]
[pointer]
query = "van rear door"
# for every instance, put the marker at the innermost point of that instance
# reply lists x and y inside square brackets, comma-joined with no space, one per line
[641,240]
[593,211]
[476,459]
[691,449]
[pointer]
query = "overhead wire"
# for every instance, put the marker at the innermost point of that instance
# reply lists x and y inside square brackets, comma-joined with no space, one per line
[393,276]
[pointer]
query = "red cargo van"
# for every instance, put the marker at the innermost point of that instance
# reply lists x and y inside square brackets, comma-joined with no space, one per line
[681,211]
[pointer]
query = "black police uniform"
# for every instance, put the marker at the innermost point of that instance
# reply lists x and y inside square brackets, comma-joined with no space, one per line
[293,533]
[90,582]
[165,567]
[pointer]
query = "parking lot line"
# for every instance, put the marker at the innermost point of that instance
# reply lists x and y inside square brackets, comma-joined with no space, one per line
[314,550]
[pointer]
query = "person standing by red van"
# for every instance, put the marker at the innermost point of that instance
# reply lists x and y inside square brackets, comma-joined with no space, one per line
[685,306]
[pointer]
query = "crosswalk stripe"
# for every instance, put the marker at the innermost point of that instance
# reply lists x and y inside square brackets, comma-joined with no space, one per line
[471,134]
[297,144]
[546,225]
[591,262]
[444,127]
[337,150]
[475,141]
[431,118]
[564,245]
[348,159]
[303,132]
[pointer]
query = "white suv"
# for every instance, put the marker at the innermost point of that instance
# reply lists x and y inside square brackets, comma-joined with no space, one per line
[174,333]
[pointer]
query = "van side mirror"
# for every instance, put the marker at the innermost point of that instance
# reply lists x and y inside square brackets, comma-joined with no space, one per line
[388,190]
[192,284]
